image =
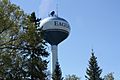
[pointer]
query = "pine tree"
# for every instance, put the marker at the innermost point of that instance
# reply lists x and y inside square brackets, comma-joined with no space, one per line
[93,71]
[33,51]
[57,74]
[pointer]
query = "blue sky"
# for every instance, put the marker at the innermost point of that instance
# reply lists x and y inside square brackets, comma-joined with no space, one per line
[94,24]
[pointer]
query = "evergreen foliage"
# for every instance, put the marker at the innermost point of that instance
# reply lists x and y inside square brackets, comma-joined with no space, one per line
[57,74]
[93,71]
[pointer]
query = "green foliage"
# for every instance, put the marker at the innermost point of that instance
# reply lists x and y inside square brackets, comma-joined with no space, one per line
[71,77]
[109,76]
[9,29]
[57,74]
[93,71]
[22,47]
[10,22]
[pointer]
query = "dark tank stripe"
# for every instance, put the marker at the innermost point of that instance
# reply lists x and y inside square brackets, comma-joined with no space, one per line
[55,37]
[59,30]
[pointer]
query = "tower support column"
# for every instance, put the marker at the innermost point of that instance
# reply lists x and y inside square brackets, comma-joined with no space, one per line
[54,57]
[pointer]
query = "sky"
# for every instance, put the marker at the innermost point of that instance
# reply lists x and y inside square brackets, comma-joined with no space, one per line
[95,24]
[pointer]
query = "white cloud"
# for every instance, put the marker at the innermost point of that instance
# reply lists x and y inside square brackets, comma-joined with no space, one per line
[45,7]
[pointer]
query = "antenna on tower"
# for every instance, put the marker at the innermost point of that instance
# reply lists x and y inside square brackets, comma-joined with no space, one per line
[57,7]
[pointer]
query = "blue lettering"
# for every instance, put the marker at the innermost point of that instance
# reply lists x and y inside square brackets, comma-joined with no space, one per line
[57,23]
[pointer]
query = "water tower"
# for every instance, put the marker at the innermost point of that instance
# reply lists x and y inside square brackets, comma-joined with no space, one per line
[56,30]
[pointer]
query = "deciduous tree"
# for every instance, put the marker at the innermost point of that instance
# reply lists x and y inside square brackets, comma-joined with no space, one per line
[22,47]
[71,77]
[109,76]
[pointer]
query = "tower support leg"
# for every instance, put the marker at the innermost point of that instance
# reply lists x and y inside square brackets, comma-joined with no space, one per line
[54,57]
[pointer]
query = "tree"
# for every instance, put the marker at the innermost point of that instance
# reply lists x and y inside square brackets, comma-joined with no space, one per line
[93,71]
[57,74]
[22,47]
[71,77]
[33,51]
[11,19]
[109,76]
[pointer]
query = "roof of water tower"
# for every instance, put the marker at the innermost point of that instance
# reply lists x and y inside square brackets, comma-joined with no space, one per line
[55,22]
